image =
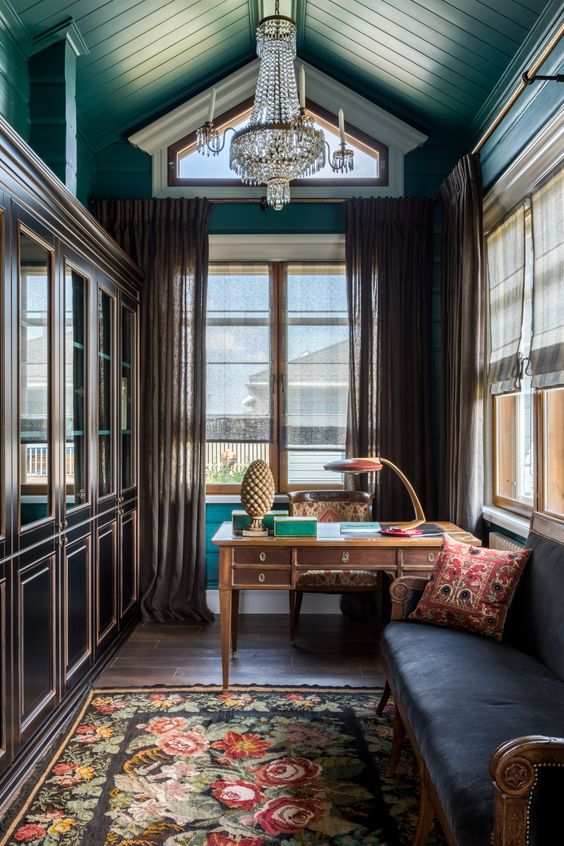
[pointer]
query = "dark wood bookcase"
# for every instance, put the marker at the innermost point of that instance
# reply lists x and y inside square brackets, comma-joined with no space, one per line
[69,364]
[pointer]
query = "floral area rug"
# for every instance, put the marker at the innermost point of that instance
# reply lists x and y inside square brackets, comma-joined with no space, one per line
[199,767]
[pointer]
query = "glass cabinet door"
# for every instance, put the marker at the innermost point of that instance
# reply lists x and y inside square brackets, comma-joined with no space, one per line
[76,421]
[127,422]
[35,465]
[105,393]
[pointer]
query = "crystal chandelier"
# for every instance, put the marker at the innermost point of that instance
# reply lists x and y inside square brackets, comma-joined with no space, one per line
[280,142]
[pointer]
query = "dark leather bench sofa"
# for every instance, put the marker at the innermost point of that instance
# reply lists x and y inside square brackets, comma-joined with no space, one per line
[486,718]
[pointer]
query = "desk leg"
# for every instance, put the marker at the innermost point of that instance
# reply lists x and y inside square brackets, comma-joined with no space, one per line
[225,626]
[234,621]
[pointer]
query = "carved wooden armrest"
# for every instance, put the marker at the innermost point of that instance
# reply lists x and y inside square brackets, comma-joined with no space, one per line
[514,768]
[405,592]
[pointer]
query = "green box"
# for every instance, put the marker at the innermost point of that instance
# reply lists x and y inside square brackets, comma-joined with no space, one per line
[240,520]
[292,527]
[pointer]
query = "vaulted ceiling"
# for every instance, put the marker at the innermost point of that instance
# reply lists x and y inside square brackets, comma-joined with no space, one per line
[431,62]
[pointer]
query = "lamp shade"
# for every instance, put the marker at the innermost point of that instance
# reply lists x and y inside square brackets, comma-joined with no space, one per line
[369,465]
[354,465]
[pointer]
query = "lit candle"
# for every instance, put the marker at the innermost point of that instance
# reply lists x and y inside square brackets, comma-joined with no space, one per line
[302,87]
[341,126]
[212,106]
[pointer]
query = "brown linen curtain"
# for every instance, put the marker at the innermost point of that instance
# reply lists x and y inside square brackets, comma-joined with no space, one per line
[462,322]
[389,262]
[168,238]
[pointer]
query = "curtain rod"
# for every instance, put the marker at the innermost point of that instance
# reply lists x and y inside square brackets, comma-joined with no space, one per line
[526,80]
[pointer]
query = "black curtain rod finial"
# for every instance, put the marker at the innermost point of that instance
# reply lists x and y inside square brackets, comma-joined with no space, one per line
[528,80]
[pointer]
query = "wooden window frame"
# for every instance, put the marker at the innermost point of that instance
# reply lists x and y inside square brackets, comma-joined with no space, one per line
[540,398]
[278,457]
[361,139]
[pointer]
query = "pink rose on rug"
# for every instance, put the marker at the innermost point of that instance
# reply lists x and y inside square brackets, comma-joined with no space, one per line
[294,771]
[30,832]
[247,745]
[218,839]
[183,743]
[237,794]
[286,815]
[162,725]
[86,730]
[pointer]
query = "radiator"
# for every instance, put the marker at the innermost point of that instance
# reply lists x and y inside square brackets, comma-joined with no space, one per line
[498,541]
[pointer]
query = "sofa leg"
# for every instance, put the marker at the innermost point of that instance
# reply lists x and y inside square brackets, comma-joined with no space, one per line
[426,814]
[397,742]
[384,699]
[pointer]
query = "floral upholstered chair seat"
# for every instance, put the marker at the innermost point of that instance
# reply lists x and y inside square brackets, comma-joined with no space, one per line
[337,579]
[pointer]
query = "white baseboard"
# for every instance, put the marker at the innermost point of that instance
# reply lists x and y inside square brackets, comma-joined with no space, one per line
[276,602]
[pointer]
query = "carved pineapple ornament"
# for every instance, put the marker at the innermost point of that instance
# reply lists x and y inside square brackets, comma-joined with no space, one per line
[257,495]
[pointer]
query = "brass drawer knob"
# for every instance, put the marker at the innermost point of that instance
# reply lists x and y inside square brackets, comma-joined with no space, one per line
[431,557]
[261,577]
[262,556]
[345,557]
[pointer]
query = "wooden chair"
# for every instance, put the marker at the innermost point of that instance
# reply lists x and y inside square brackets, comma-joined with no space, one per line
[329,507]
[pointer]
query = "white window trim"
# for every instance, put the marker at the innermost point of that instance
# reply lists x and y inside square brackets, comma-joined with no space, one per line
[277,247]
[398,136]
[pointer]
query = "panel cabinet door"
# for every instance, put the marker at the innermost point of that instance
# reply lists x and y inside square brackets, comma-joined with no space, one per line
[106,583]
[5,716]
[36,652]
[75,456]
[128,564]
[77,610]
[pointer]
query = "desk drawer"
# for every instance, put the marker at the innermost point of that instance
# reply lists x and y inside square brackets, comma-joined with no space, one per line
[261,577]
[256,555]
[344,556]
[413,560]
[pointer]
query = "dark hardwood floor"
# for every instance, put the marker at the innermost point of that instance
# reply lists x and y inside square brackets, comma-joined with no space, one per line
[330,650]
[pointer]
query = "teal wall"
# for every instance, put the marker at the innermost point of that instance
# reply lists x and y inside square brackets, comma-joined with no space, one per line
[122,171]
[216,514]
[14,83]
[536,106]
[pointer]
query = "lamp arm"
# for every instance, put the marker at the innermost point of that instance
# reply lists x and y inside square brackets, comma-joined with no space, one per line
[419,513]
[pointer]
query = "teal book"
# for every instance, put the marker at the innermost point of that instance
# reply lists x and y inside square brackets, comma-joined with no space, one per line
[285,527]
[360,528]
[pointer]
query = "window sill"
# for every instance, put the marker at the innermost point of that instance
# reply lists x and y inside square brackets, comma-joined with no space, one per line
[235,499]
[506,520]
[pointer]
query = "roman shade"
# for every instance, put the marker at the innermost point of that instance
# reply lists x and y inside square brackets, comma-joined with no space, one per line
[546,359]
[506,279]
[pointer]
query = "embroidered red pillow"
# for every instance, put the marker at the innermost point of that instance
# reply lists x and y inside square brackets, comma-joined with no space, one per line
[471,588]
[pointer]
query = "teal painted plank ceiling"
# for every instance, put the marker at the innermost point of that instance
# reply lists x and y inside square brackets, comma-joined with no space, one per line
[433,63]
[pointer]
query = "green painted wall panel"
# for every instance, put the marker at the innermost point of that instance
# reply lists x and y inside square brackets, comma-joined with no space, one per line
[296,218]
[122,171]
[14,84]
[86,172]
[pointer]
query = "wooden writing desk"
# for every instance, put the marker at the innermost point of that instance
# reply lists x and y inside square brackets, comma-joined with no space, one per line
[275,563]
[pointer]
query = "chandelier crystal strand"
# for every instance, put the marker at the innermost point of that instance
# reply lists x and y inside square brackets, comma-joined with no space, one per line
[280,142]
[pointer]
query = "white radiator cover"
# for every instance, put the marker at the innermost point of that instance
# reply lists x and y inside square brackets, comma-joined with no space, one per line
[498,541]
